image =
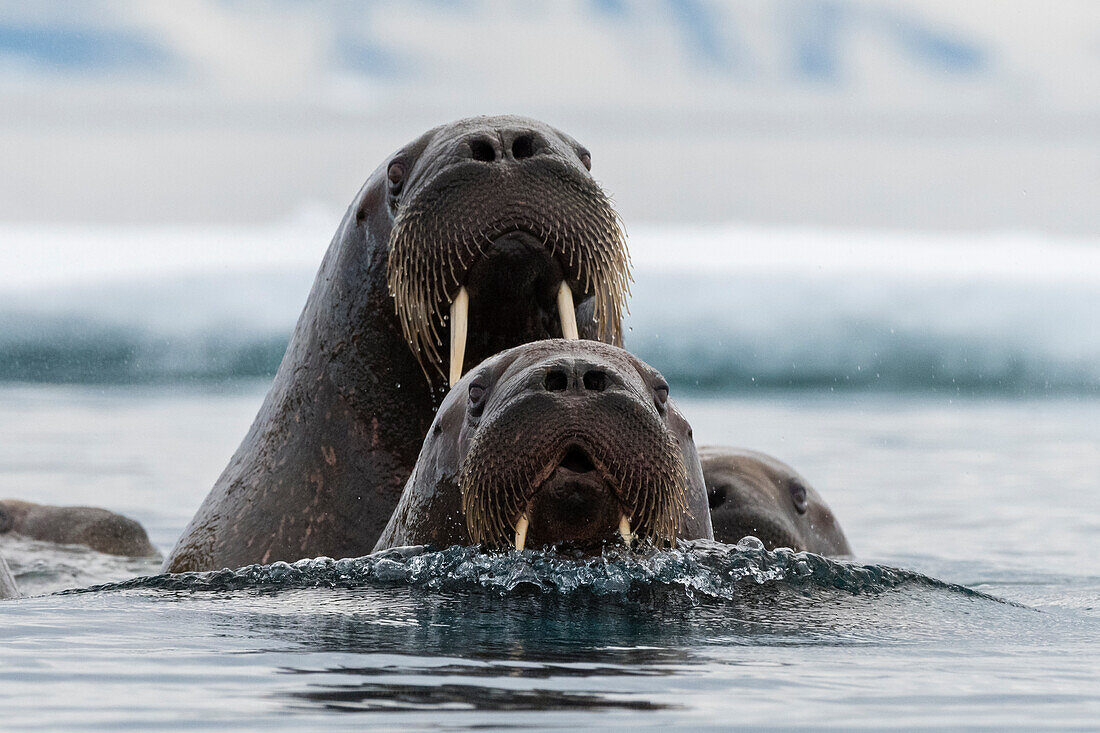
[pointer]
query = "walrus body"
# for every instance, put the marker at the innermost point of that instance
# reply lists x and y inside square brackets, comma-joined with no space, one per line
[99,529]
[8,589]
[752,493]
[484,234]
[558,442]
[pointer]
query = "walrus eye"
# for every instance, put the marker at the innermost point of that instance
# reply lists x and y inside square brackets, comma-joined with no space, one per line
[586,160]
[396,174]
[798,496]
[661,392]
[477,403]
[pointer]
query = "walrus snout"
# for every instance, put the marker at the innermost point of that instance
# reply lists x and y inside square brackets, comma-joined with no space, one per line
[576,505]
[559,443]
[511,289]
[576,450]
[507,145]
[501,237]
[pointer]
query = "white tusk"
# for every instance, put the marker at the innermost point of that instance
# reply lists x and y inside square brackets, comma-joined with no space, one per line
[521,532]
[567,313]
[624,531]
[460,318]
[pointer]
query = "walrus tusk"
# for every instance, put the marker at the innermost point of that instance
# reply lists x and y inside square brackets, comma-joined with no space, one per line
[566,312]
[521,532]
[624,531]
[460,318]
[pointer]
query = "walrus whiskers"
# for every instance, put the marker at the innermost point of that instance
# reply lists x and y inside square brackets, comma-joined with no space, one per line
[496,485]
[437,238]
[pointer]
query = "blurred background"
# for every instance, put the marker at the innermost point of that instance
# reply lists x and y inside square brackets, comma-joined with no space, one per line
[883,195]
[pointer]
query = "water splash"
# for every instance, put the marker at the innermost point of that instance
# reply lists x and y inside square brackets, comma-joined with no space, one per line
[699,569]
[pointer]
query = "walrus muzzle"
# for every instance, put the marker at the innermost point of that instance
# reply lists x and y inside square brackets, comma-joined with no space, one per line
[553,241]
[540,473]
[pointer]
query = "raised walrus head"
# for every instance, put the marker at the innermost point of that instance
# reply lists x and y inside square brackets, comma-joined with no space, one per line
[555,443]
[498,224]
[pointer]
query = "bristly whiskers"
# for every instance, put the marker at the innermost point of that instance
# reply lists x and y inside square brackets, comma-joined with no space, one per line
[440,233]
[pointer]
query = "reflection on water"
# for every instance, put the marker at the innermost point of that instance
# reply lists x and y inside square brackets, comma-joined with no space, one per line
[398,696]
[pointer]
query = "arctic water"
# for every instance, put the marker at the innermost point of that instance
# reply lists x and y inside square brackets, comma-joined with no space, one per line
[973,600]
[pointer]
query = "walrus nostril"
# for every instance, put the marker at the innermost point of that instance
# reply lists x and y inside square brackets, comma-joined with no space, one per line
[556,380]
[595,380]
[523,147]
[482,150]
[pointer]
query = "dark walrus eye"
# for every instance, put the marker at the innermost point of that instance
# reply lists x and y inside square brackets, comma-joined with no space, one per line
[396,174]
[477,399]
[661,394]
[586,160]
[798,496]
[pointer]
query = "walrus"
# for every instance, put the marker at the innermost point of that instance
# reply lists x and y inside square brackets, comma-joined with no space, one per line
[8,588]
[99,529]
[482,234]
[752,493]
[563,443]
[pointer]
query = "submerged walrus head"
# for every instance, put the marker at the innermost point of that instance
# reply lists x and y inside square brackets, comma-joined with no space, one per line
[555,443]
[752,493]
[500,236]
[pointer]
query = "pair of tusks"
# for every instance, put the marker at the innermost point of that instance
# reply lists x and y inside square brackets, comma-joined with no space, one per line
[460,320]
[521,531]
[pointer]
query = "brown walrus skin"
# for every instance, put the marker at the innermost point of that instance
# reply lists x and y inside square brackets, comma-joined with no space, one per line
[99,529]
[555,443]
[752,493]
[502,207]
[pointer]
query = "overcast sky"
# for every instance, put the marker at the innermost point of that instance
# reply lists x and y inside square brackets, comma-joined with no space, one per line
[892,114]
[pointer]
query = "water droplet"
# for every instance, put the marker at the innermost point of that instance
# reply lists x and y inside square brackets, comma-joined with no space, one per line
[750,543]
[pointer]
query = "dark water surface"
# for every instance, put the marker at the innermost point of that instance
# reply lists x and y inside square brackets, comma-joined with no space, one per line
[998,499]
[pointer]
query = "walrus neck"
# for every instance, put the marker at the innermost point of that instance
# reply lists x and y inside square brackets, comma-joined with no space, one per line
[340,428]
